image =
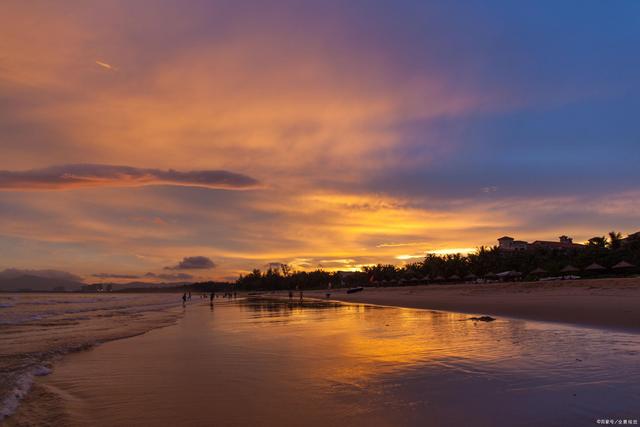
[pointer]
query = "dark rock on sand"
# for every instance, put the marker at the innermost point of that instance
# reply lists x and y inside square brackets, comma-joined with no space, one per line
[482,319]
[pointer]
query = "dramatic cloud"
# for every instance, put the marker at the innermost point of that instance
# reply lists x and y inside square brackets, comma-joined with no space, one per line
[375,132]
[97,175]
[193,263]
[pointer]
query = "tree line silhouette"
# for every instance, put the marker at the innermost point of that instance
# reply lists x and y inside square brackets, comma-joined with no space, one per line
[484,264]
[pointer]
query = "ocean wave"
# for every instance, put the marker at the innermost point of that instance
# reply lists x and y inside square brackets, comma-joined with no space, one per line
[21,386]
[109,311]
[71,328]
[71,301]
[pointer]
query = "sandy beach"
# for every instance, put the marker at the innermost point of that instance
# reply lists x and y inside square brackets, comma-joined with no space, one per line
[608,303]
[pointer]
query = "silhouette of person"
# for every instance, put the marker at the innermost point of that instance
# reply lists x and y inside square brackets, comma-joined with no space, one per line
[184,299]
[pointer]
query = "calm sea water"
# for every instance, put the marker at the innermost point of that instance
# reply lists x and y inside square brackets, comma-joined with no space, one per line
[265,362]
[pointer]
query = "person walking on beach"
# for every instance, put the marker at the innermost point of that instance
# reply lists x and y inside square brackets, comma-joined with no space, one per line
[211,297]
[189,296]
[184,299]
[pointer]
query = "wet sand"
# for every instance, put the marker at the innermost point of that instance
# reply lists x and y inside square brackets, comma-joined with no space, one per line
[608,303]
[266,362]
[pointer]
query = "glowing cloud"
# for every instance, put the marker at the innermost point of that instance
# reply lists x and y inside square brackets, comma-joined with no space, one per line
[107,66]
[406,257]
[384,131]
[452,251]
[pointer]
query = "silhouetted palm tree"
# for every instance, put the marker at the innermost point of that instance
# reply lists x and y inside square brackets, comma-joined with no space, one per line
[615,239]
[597,242]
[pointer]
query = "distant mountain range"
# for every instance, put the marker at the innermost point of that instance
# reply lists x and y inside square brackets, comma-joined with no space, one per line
[131,285]
[29,282]
[26,283]
[16,280]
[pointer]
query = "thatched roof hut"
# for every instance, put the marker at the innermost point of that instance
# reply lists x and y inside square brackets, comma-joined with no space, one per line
[454,277]
[438,278]
[623,264]
[569,269]
[470,276]
[538,271]
[595,267]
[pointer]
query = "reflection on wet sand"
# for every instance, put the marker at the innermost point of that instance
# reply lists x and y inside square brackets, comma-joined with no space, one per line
[267,361]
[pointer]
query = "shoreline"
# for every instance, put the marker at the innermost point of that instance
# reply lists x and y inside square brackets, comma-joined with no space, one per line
[600,303]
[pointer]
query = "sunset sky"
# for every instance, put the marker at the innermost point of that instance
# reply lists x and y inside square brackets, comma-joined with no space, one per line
[201,139]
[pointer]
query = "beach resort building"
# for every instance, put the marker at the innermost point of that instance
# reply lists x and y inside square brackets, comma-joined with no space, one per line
[509,244]
[565,242]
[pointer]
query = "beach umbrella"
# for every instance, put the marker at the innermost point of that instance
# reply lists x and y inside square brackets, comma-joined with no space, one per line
[539,271]
[595,267]
[623,264]
[454,277]
[569,269]
[438,278]
[470,276]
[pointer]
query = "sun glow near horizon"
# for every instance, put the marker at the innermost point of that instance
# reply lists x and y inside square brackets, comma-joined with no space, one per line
[128,146]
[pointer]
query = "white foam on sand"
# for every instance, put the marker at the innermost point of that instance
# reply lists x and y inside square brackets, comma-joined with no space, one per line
[41,332]
[21,388]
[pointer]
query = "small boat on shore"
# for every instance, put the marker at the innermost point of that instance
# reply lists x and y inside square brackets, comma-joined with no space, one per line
[354,290]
